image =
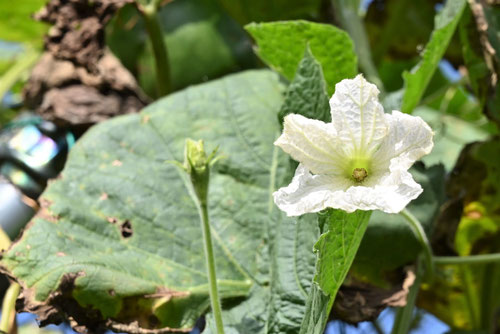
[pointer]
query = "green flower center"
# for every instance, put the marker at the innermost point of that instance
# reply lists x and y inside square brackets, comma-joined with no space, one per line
[358,169]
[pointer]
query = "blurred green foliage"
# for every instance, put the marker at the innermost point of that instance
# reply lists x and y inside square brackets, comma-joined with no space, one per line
[16,24]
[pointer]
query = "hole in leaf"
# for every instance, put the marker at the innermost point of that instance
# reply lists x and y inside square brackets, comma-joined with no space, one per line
[126,229]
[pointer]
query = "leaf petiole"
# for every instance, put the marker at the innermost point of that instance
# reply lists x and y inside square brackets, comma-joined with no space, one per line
[419,232]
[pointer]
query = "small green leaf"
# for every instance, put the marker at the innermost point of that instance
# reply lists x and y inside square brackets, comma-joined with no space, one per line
[282,45]
[417,80]
[306,94]
[337,247]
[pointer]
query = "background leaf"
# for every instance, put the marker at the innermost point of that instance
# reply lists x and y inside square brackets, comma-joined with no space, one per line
[122,229]
[282,44]
[280,306]
[245,11]
[337,247]
[203,43]
[465,296]
[417,80]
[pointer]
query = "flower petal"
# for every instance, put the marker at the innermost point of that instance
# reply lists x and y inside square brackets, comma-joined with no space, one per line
[313,193]
[308,193]
[313,143]
[358,116]
[408,140]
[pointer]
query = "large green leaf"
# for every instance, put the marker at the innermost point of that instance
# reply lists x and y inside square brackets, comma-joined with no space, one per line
[417,80]
[282,44]
[119,231]
[278,308]
[294,265]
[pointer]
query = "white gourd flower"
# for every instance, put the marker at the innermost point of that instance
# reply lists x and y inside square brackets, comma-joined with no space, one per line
[359,161]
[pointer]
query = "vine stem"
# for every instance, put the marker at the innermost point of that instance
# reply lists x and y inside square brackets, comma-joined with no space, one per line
[162,66]
[471,259]
[404,315]
[17,70]
[9,308]
[210,264]
[8,320]
[419,232]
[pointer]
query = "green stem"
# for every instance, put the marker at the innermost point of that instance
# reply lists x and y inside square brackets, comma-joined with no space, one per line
[162,67]
[346,12]
[9,307]
[376,327]
[15,72]
[488,298]
[471,297]
[404,315]
[471,259]
[419,232]
[210,264]
[318,307]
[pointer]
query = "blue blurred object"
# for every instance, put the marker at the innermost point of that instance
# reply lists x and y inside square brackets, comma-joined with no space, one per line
[10,100]
[8,49]
[30,319]
[449,72]
[428,324]
[31,152]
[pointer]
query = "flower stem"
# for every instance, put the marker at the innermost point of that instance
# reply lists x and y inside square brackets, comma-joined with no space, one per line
[419,232]
[16,71]
[210,264]
[9,308]
[346,12]
[471,259]
[162,67]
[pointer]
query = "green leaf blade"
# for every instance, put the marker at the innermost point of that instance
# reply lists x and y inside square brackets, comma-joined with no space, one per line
[282,44]
[118,179]
[306,94]
[336,249]
[338,246]
[417,80]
